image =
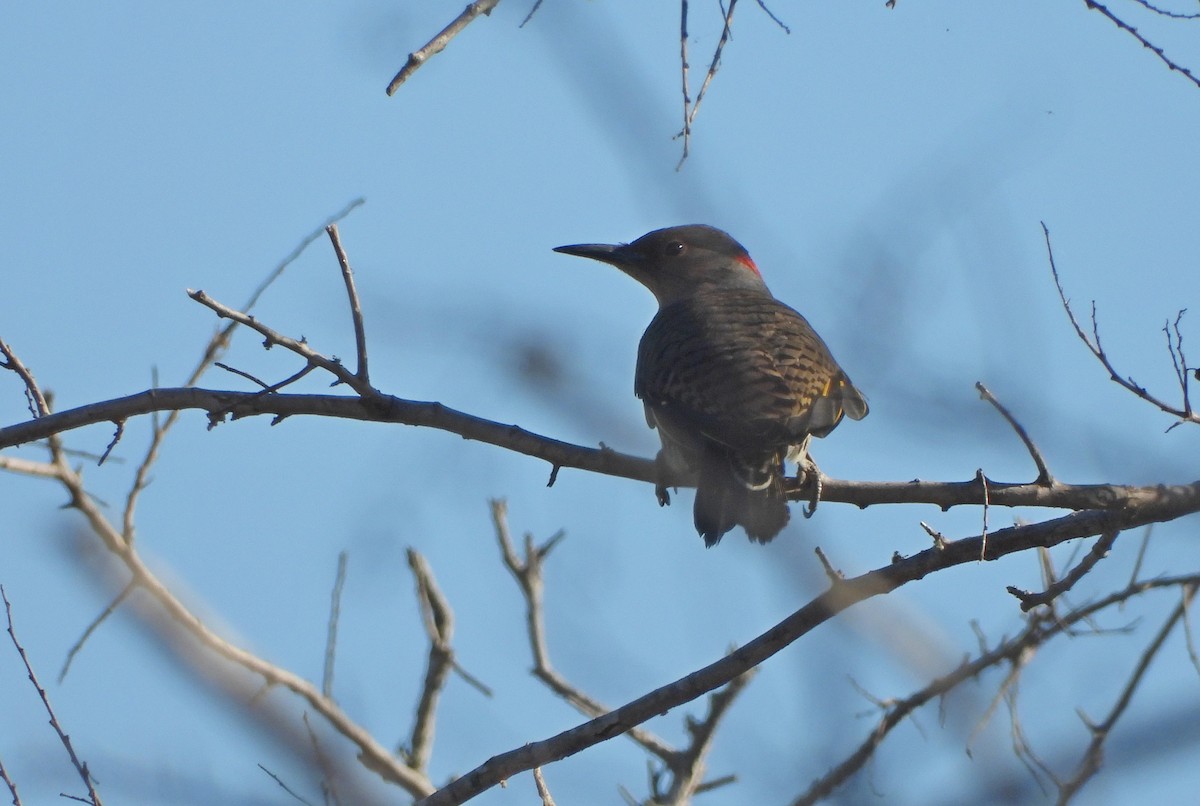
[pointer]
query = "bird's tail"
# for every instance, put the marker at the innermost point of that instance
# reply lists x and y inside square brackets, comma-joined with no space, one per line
[734,492]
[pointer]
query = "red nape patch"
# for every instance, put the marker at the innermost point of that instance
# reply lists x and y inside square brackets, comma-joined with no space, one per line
[749,264]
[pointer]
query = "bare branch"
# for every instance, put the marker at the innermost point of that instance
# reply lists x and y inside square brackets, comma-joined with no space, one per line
[1016,651]
[300,348]
[1093,344]
[1089,765]
[371,753]
[1157,51]
[838,598]
[686,766]
[215,348]
[528,574]
[81,767]
[439,42]
[387,409]
[689,114]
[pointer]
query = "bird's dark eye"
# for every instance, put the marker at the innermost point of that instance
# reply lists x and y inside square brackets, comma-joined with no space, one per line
[674,249]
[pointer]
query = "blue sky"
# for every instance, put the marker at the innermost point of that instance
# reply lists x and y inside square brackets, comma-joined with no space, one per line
[888,170]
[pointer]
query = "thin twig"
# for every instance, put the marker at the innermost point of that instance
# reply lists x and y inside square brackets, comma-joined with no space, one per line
[356,314]
[686,766]
[300,348]
[439,626]
[335,612]
[439,42]
[112,443]
[528,574]
[11,784]
[762,4]
[532,11]
[689,766]
[983,481]
[1044,476]
[689,114]
[540,782]
[1017,652]
[1175,15]
[295,795]
[843,595]
[372,754]
[81,767]
[91,628]
[38,406]
[1183,373]
[1157,51]
[686,133]
[1193,654]
[726,32]
[328,790]
[1100,550]
[1093,344]
[216,347]
[241,373]
[1092,759]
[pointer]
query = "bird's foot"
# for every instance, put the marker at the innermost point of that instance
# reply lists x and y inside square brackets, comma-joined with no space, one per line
[809,475]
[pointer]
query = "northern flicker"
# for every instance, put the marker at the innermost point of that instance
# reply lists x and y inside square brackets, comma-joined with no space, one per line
[734,380]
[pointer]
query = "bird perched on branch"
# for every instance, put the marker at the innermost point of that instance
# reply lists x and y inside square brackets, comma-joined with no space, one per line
[734,380]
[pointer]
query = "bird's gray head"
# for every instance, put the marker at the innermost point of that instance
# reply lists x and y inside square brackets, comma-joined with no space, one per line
[676,262]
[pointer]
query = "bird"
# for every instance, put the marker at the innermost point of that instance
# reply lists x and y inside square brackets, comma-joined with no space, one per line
[734,380]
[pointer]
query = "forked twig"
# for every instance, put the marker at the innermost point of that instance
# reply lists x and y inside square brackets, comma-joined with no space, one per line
[691,108]
[1093,344]
[1093,756]
[528,574]
[1017,651]
[439,626]
[685,766]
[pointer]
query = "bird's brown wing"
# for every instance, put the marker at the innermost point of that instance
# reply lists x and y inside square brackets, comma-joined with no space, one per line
[744,370]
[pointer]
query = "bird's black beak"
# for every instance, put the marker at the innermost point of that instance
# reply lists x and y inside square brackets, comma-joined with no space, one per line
[614,254]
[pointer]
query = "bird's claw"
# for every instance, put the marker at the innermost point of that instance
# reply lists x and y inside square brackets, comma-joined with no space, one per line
[811,476]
